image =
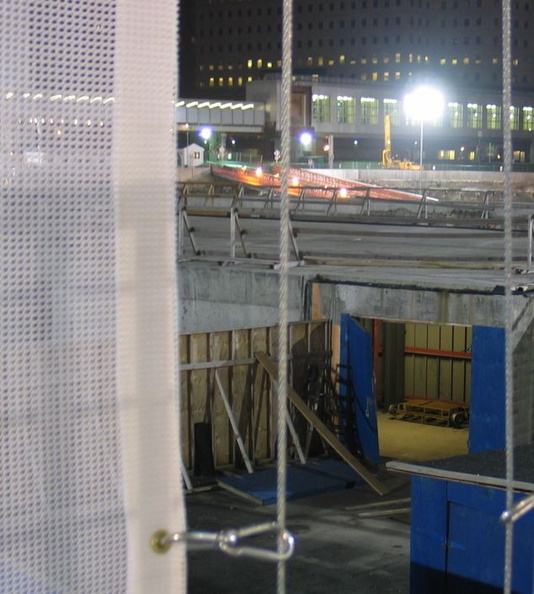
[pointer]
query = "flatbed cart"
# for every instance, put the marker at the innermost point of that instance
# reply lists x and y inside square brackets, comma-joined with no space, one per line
[453,414]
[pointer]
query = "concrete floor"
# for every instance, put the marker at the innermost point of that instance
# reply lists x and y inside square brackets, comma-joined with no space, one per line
[412,440]
[338,551]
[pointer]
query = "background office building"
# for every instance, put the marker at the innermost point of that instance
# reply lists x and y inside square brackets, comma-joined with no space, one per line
[354,62]
[457,42]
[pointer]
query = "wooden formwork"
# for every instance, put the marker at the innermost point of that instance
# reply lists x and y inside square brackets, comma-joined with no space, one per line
[216,365]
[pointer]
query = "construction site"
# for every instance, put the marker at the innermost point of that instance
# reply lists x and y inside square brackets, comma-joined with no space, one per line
[396,307]
[309,374]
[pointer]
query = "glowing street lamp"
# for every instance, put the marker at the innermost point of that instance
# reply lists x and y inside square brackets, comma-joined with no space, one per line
[306,139]
[205,133]
[425,103]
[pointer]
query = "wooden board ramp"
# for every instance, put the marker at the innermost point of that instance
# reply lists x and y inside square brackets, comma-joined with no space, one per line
[272,369]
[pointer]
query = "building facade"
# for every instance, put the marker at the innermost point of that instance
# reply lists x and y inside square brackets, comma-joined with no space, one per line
[348,120]
[454,42]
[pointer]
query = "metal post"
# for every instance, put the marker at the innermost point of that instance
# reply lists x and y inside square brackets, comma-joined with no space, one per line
[331,151]
[530,239]
[421,155]
[232,232]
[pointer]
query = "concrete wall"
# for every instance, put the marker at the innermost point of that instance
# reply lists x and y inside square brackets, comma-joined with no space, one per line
[398,178]
[214,297]
[217,297]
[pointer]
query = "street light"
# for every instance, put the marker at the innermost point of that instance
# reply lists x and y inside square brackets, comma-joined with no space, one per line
[205,133]
[424,103]
[306,139]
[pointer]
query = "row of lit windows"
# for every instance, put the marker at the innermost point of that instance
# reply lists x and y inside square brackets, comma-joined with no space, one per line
[456,115]
[397,75]
[260,63]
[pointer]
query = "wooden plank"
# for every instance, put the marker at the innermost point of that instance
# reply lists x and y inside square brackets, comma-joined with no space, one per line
[223,441]
[458,367]
[233,422]
[459,477]
[409,361]
[445,365]
[261,403]
[432,363]
[241,387]
[420,362]
[272,369]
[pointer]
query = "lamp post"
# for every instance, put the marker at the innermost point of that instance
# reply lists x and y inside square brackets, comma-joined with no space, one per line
[306,139]
[425,103]
[205,133]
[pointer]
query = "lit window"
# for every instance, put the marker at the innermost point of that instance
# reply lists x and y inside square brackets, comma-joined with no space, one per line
[330,62]
[386,59]
[369,110]
[320,108]
[342,59]
[320,61]
[528,119]
[493,117]
[514,118]
[346,110]
[259,63]
[495,61]
[249,78]
[249,63]
[363,61]
[474,115]
[374,60]
[309,61]
[454,61]
[397,75]
[392,108]
[443,62]
[269,64]
[374,76]
[212,81]
[210,67]
[466,60]
[221,81]
[397,58]
[230,81]
[455,115]
[240,81]
[447,155]
[515,62]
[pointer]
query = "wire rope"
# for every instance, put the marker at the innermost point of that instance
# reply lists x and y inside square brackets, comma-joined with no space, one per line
[508,302]
[287,37]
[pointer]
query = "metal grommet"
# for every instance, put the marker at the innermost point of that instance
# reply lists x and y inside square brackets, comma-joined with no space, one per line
[160,541]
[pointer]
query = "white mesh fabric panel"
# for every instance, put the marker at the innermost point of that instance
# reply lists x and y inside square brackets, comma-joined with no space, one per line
[75,510]
[145,167]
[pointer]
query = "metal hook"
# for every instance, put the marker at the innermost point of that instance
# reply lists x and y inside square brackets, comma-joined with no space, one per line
[517,510]
[228,541]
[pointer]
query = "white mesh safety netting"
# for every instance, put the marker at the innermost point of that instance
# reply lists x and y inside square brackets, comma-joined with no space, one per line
[89,436]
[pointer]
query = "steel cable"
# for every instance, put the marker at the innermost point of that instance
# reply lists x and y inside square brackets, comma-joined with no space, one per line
[508,303]
[287,37]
